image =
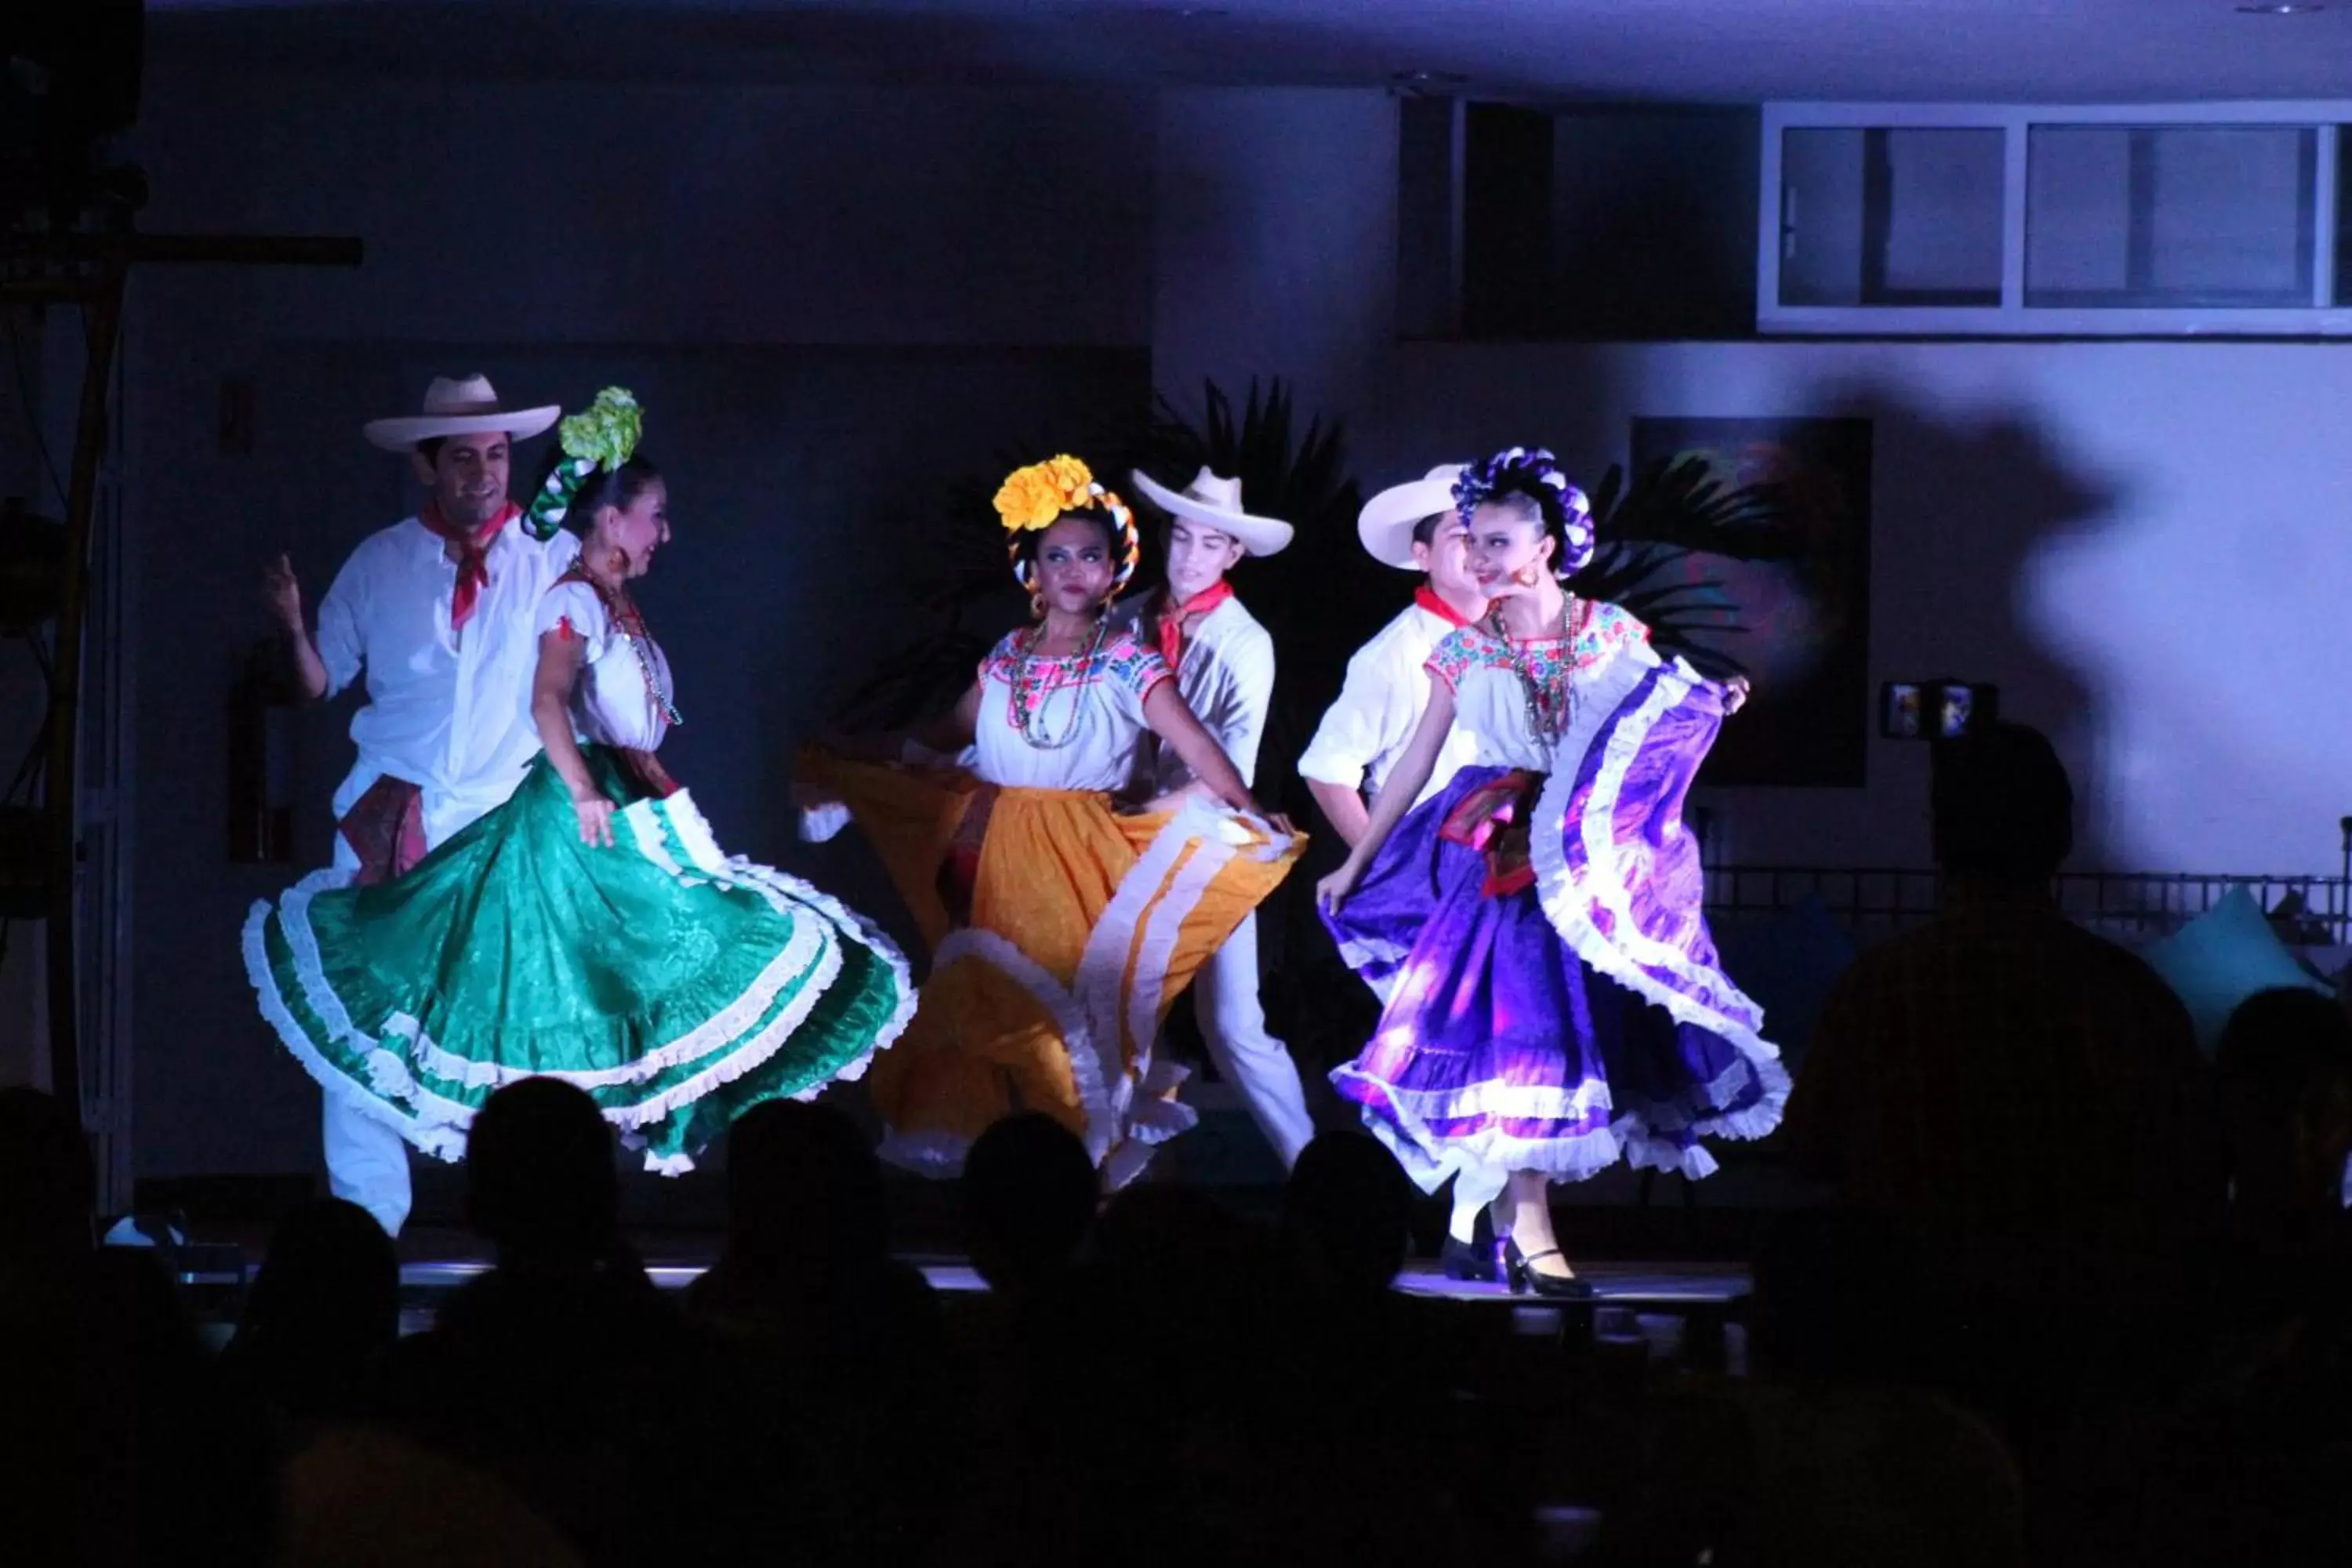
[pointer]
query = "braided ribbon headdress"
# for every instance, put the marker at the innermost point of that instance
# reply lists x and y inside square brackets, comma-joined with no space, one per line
[1534,473]
[1033,499]
[602,436]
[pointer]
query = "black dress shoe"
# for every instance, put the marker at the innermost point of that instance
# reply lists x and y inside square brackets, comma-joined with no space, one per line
[1553,1287]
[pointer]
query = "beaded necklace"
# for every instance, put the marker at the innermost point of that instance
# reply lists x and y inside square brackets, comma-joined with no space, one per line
[1028,710]
[1550,698]
[631,624]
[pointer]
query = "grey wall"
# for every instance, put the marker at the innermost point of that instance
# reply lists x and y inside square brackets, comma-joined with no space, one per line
[2148,546]
[833,300]
[1275,242]
[833,303]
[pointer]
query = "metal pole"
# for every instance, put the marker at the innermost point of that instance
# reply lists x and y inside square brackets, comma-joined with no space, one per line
[114,252]
[102,315]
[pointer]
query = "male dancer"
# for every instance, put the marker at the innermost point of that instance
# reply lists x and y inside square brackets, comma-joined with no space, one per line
[438,612]
[1223,661]
[1415,528]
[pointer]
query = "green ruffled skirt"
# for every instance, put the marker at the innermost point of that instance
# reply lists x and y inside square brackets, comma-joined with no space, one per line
[677,985]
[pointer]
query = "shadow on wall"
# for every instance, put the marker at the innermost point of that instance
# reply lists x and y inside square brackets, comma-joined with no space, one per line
[1963,510]
[1969,495]
[1963,507]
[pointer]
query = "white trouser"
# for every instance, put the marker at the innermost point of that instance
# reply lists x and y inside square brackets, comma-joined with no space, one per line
[367,1161]
[1233,1025]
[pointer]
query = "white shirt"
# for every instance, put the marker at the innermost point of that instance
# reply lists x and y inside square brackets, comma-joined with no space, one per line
[1225,675]
[611,705]
[1091,709]
[1366,731]
[450,714]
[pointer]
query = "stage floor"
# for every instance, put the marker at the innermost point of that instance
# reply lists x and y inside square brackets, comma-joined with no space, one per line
[1655,1306]
[1663,1286]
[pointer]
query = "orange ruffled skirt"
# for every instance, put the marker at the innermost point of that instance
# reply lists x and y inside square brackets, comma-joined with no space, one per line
[1084,924]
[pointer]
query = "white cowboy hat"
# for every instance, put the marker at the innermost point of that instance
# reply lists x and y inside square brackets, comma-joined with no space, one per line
[1214,502]
[466,408]
[1388,519]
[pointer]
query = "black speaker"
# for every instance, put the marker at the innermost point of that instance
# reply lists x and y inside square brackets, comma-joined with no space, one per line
[69,75]
[73,70]
[1506,225]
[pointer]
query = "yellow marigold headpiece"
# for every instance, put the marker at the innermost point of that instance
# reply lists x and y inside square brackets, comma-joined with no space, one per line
[1033,499]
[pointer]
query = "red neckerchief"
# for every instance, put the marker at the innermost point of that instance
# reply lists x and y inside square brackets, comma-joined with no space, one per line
[1428,599]
[471,552]
[1171,622]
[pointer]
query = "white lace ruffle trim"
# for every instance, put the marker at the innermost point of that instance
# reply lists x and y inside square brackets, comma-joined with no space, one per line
[435,1123]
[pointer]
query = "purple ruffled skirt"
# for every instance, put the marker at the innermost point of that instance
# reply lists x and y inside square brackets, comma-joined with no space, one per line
[1501,1050]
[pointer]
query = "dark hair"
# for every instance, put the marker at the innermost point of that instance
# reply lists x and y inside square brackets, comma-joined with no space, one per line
[1526,485]
[2280,1047]
[1029,1192]
[325,1301]
[2001,805]
[1348,1205]
[803,1189]
[539,1171]
[1534,476]
[1425,531]
[618,488]
[1026,543]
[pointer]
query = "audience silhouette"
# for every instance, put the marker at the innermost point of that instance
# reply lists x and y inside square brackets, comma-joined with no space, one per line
[2072,1296]
[321,1316]
[1029,1197]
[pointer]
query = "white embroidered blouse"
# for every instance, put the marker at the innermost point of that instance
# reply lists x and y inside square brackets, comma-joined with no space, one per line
[1089,710]
[611,705]
[1490,699]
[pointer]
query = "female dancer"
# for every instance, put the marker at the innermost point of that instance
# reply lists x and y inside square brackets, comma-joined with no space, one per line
[1060,929]
[590,928]
[1552,996]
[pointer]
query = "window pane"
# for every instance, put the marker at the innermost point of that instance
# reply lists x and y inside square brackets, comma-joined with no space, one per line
[1890,217]
[1943,228]
[1821,217]
[2170,215]
[2343,216]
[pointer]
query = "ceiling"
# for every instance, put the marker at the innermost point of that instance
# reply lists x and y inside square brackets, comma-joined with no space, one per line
[1732,51]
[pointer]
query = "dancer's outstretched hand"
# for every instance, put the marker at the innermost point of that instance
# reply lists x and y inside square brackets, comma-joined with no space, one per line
[1735,695]
[595,815]
[1333,890]
[282,592]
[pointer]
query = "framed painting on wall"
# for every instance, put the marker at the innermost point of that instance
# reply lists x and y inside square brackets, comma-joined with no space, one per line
[1807,643]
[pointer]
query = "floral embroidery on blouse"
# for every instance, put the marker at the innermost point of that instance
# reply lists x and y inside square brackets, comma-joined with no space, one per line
[1122,660]
[1607,631]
